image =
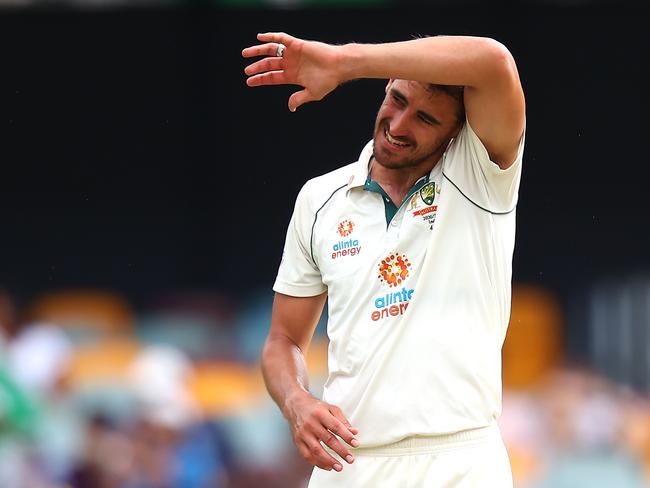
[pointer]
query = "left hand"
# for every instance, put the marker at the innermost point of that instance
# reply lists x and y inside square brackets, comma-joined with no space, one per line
[313,65]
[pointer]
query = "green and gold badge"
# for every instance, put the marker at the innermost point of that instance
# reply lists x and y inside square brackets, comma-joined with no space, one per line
[428,193]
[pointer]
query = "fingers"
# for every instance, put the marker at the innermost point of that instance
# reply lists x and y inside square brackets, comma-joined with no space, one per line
[269,49]
[323,427]
[318,434]
[279,37]
[272,40]
[263,65]
[341,427]
[272,70]
[331,441]
[268,78]
[316,455]
[299,98]
[267,71]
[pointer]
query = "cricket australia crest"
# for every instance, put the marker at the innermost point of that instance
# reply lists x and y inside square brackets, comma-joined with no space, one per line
[428,193]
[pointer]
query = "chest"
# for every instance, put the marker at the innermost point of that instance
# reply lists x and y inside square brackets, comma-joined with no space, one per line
[356,237]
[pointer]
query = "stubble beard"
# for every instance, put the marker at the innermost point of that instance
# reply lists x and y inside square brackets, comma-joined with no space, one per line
[406,163]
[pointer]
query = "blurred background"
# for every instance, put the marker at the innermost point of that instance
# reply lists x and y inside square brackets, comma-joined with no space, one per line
[145,193]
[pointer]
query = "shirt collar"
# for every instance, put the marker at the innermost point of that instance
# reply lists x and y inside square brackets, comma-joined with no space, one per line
[360,173]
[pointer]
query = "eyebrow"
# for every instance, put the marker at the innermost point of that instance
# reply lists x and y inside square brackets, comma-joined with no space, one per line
[400,96]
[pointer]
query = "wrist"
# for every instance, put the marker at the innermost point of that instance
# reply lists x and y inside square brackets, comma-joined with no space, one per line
[350,62]
[292,400]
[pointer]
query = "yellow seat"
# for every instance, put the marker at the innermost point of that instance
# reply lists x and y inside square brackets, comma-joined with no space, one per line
[533,345]
[104,362]
[224,388]
[84,312]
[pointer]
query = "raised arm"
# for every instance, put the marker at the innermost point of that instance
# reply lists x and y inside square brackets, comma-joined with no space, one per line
[494,100]
[293,322]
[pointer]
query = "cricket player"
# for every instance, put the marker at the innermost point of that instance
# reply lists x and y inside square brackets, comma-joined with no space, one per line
[411,245]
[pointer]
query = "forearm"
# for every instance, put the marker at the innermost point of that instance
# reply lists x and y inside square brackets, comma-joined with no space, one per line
[312,421]
[444,60]
[284,370]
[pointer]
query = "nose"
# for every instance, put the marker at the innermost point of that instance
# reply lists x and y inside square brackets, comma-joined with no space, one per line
[398,124]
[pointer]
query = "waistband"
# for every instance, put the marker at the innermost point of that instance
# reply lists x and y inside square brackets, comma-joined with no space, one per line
[420,444]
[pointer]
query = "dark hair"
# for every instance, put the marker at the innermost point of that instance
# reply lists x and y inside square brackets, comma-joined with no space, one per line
[455,92]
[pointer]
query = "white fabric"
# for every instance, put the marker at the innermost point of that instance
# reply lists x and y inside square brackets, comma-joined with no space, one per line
[422,357]
[478,462]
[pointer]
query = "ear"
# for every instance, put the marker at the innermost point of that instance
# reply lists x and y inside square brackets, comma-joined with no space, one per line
[459,126]
[388,85]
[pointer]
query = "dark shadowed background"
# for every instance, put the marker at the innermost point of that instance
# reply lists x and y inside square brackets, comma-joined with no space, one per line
[135,157]
[136,160]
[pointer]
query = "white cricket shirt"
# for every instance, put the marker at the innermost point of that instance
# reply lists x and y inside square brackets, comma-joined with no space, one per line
[418,308]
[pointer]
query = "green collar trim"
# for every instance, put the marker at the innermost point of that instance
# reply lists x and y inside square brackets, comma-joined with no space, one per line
[390,208]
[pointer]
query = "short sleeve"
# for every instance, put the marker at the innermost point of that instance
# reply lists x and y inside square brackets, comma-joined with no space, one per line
[298,274]
[469,168]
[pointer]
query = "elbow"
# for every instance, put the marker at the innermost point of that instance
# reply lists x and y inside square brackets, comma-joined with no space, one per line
[264,358]
[494,65]
[275,343]
[267,352]
[499,59]
[270,345]
[264,353]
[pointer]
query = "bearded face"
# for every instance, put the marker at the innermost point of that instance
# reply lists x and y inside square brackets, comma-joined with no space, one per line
[414,126]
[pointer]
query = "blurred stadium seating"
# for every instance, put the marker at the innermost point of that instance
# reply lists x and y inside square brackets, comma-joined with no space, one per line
[181,376]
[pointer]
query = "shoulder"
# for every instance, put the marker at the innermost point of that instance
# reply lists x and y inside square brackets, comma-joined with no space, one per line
[468,146]
[317,191]
[468,167]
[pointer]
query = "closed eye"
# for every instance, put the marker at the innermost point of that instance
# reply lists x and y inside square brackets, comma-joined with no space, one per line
[399,101]
[428,119]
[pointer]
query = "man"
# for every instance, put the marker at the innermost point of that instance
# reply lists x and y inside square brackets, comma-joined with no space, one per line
[412,247]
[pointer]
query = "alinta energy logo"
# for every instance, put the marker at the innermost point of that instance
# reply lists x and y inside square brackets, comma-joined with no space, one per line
[345,228]
[393,271]
[351,247]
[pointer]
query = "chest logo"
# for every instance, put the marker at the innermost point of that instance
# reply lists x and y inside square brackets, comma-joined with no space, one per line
[394,269]
[345,228]
[428,193]
[349,247]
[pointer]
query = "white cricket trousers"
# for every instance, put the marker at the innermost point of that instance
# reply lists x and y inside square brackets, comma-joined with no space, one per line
[469,459]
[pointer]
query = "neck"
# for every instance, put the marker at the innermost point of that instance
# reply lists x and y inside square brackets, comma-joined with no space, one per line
[396,182]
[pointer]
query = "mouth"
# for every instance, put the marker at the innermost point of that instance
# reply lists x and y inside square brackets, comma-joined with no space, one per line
[394,142]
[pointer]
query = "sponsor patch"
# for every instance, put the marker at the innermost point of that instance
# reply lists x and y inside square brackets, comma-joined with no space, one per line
[351,247]
[345,228]
[393,270]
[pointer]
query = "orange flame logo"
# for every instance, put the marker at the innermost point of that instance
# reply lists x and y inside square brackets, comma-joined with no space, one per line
[345,228]
[394,269]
